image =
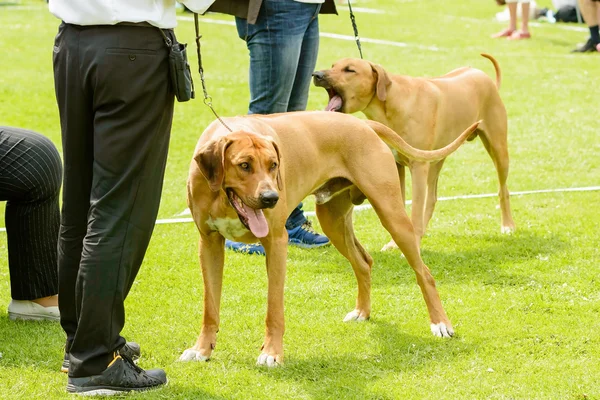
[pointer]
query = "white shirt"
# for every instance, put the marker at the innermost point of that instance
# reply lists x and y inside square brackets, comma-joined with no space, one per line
[160,13]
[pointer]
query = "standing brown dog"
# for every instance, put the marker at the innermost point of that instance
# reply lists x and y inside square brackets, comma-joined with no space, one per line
[428,114]
[243,184]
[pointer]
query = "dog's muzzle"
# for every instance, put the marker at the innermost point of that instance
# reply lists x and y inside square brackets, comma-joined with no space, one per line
[268,199]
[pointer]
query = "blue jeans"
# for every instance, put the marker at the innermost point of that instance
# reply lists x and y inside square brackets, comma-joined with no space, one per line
[283,46]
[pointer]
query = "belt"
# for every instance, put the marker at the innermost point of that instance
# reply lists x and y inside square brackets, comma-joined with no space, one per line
[143,24]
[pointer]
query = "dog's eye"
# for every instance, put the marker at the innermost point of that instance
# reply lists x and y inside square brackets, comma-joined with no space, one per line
[245,166]
[348,69]
[273,166]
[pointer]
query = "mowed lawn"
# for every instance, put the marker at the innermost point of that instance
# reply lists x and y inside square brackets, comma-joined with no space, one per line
[525,307]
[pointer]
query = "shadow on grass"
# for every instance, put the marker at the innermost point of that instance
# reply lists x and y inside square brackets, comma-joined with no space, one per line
[393,355]
[486,257]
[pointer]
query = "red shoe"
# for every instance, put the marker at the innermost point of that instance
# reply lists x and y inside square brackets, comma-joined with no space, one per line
[518,35]
[503,33]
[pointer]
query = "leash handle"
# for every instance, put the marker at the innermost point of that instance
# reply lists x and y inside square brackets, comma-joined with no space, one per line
[355,28]
[207,97]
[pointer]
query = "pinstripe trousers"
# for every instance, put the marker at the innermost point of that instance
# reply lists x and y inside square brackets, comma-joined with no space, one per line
[116,107]
[30,176]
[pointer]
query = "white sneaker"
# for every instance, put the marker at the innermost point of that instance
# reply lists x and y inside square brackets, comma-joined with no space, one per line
[30,311]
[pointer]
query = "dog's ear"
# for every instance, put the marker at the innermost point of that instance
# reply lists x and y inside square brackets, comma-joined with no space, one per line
[211,160]
[383,81]
[279,180]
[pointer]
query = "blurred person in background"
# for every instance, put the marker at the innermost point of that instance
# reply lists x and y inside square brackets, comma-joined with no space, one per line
[590,11]
[511,32]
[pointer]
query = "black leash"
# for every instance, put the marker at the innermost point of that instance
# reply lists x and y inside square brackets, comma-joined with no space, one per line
[207,98]
[355,28]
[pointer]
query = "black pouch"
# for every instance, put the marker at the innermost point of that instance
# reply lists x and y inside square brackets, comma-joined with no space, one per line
[179,70]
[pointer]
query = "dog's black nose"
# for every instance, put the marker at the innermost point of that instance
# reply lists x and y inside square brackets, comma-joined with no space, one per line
[269,198]
[318,75]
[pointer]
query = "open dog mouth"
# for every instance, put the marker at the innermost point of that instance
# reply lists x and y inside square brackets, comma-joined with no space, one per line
[252,218]
[335,100]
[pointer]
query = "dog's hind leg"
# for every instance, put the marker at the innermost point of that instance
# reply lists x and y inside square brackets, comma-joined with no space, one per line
[432,181]
[388,206]
[335,218]
[402,174]
[399,226]
[497,148]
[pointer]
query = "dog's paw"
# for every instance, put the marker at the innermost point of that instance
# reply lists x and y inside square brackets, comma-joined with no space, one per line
[193,355]
[390,246]
[442,330]
[268,360]
[507,230]
[355,315]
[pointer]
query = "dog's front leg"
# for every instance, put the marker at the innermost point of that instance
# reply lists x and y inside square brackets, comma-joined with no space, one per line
[212,258]
[272,348]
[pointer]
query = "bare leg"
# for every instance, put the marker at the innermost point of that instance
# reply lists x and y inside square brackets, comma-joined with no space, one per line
[512,9]
[50,301]
[524,17]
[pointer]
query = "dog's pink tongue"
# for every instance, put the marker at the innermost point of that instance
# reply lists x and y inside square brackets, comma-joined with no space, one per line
[257,222]
[335,103]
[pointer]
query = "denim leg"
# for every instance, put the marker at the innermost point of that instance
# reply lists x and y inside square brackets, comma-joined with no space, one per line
[306,65]
[296,218]
[283,46]
[281,62]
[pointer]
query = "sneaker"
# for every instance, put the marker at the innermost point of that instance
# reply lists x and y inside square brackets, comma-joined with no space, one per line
[121,376]
[587,47]
[26,310]
[239,247]
[130,349]
[305,236]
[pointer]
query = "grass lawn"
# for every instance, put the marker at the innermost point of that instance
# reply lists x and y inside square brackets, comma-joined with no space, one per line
[525,307]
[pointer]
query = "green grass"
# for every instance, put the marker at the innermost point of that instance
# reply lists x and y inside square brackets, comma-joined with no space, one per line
[525,307]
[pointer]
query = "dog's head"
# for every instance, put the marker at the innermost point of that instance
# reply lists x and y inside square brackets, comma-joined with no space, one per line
[351,84]
[246,166]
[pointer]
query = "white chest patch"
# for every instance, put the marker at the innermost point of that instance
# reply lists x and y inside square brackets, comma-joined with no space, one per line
[230,228]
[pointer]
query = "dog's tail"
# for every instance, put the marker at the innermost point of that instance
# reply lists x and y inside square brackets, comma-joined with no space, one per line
[496,67]
[392,139]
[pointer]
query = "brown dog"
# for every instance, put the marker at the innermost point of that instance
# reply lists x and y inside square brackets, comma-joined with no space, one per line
[243,184]
[428,114]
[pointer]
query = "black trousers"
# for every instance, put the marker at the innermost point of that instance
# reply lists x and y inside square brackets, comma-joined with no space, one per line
[30,175]
[116,108]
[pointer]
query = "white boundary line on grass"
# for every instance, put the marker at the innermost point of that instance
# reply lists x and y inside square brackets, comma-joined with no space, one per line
[368,206]
[460,197]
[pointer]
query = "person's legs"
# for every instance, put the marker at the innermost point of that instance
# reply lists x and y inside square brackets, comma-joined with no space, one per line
[306,64]
[512,27]
[30,177]
[283,47]
[590,10]
[121,152]
[522,33]
[525,16]
[275,43]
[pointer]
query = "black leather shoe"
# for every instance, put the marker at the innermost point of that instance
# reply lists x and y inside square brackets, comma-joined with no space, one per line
[588,47]
[121,376]
[130,349]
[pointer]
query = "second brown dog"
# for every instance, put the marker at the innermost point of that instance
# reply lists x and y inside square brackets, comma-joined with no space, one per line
[428,113]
